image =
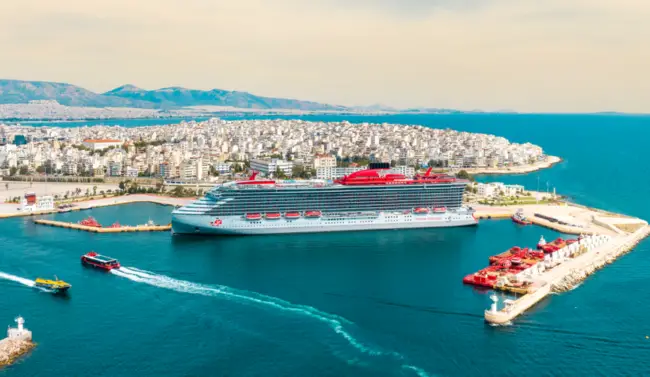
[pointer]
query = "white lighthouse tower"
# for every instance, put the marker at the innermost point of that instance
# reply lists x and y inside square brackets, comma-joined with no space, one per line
[19,332]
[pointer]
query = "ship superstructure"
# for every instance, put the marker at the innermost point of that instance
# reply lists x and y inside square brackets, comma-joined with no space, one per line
[364,200]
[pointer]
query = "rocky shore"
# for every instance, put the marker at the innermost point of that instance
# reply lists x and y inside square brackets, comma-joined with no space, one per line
[12,348]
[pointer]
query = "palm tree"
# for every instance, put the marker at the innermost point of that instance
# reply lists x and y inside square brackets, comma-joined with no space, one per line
[94,190]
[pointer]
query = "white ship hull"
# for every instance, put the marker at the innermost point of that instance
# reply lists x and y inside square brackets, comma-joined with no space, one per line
[239,225]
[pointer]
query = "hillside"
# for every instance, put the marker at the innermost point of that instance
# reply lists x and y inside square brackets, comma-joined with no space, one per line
[16,91]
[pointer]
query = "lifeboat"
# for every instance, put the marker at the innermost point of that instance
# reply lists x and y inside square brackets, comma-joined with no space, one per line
[92,259]
[313,214]
[440,209]
[253,216]
[116,225]
[292,215]
[90,221]
[272,216]
[421,211]
[516,261]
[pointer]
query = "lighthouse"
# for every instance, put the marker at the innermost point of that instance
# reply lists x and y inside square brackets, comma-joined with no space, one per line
[20,332]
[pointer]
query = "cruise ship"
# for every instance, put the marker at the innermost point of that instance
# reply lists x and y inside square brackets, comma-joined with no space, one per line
[370,199]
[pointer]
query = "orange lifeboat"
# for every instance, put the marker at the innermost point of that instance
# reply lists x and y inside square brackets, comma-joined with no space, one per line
[313,214]
[90,221]
[253,216]
[440,209]
[272,216]
[292,215]
[421,211]
[115,225]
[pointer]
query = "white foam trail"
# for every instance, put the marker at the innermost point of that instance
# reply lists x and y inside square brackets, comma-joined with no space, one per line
[23,281]
[420,372]
[333,321]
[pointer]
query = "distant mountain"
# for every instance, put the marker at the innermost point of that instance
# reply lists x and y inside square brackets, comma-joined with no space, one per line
[15,91]
[182,97]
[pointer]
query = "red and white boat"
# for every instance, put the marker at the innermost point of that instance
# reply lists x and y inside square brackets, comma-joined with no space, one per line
[292,215]
[440,209]
[272,216]
[313,214]
[253,216]
[92,259]
[90,221]
[116,225]
[520,219]
[421,211]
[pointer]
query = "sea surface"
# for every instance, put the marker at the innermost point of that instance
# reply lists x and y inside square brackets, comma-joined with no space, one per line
[387,303]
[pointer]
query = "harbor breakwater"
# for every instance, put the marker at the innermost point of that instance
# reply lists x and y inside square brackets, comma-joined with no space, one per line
[566,271]
[121,229]
[575,276]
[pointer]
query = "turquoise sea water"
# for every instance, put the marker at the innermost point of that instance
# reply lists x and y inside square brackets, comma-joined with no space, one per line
[350,304]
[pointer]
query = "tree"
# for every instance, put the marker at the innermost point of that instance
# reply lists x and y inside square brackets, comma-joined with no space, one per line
[13,171]
[122,185]
[178,191]
[7,186]
[94,190]
[40,169]
[279,173]
[463,174]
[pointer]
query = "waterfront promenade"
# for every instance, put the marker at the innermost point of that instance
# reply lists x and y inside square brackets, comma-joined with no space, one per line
[11,209]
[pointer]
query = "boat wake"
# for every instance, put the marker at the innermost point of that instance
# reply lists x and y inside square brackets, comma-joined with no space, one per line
[336,323]
[18,279]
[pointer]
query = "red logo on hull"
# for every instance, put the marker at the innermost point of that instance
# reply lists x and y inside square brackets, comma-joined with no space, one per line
[216,222]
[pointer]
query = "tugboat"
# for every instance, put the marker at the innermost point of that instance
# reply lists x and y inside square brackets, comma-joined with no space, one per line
[92,259]
[55,286]
[90,221]
[520,219]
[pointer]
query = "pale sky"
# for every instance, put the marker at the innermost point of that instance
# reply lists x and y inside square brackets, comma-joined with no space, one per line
[524,55]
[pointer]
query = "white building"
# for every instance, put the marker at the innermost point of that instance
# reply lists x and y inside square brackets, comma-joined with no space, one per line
[131,172]
[30,203]
[334,172]
[496,188]
[324,161]
[222,167]
[269,167]
[99,144]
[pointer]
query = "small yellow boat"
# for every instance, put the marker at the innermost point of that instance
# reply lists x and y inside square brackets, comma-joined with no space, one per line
[55,286]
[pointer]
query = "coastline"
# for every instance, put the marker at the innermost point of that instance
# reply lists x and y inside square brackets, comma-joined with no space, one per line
[517,170]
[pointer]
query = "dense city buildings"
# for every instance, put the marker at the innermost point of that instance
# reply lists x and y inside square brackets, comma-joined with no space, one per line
[202,151]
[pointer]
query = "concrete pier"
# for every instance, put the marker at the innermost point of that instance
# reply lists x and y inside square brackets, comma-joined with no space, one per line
[564,270]
[17,343]
[122,229]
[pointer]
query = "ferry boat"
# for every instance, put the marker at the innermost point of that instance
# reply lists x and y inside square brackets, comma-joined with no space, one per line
[520,219]
[55,286]
[372,199]
[92,259]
